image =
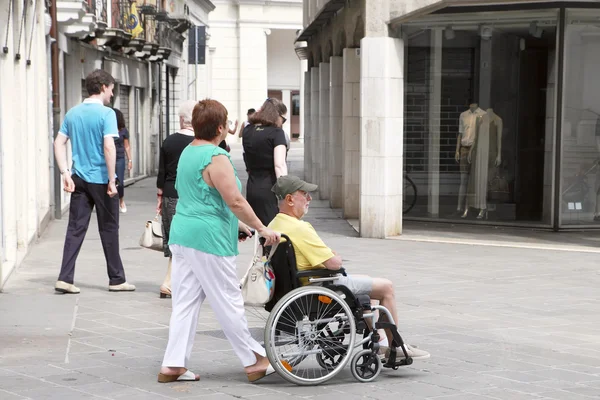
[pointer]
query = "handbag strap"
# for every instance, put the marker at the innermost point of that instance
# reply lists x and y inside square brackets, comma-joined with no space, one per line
[257,255]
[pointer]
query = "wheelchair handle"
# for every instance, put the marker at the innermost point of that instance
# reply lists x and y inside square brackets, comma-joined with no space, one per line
[244,235]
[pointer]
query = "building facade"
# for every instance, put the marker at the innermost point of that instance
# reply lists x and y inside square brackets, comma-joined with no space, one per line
[490,108]
[25,132]
[48,50]
[251,57]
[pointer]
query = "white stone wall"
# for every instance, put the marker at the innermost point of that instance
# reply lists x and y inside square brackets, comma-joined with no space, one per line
[25,157]
[239,54]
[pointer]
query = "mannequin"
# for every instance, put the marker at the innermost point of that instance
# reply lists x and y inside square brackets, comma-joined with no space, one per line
[468,126]
[488,149]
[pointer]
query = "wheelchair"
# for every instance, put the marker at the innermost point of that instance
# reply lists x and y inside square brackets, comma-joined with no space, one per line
[311,331]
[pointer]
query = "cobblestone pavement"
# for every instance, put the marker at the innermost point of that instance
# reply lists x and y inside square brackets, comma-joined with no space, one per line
[500,322]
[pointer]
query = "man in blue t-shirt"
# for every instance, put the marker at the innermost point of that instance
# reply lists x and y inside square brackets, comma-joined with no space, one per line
[91,127]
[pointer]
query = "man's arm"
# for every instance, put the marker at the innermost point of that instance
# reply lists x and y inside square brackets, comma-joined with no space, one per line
[60,153]
[110,156]
[334,263]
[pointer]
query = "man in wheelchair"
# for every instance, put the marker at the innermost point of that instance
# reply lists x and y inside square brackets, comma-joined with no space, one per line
[312,254]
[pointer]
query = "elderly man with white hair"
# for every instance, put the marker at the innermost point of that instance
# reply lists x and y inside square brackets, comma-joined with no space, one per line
[170,152]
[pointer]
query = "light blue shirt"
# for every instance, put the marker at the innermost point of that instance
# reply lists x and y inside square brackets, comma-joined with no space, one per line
[86,125]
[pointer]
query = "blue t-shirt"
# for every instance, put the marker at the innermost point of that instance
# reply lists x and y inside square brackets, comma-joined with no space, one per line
[86,125]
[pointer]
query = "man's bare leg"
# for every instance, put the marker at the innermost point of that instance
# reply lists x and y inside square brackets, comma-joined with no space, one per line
[383,290]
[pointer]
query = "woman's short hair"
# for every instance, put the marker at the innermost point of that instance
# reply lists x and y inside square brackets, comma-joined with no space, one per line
[185,111]
[269,113]
[207,116]
[96,79]
[120,119]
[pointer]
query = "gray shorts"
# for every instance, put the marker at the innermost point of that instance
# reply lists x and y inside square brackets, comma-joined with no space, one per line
[358,285]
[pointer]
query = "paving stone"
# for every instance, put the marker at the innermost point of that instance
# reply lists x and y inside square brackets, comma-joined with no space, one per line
[500,322]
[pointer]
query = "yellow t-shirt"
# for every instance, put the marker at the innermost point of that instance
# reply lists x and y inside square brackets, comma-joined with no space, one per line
[310,250]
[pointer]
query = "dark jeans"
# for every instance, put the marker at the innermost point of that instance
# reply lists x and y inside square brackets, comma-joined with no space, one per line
[121,176]
[169,204]
[86,196]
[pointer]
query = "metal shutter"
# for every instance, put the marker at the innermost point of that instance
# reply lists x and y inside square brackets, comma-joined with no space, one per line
[124,91]
[84,92]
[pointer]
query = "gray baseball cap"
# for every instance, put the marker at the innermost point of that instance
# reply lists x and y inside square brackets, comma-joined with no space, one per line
[289,184]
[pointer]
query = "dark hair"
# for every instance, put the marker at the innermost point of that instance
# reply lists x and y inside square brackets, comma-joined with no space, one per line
[207,116]
[251,111]
[269,113]
[120,119]
[96,79]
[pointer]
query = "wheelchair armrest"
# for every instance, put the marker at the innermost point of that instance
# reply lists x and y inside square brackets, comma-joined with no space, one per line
[320,273]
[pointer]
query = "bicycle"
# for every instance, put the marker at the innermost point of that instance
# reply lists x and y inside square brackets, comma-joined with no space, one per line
[409,194]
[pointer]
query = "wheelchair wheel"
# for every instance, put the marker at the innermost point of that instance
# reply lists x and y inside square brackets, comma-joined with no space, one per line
[365,366]
[306,337]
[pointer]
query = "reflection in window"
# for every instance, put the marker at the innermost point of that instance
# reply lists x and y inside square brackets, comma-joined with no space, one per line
[580,174]
[479,115]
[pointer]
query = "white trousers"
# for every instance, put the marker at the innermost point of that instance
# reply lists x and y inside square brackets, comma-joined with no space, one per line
[197,276]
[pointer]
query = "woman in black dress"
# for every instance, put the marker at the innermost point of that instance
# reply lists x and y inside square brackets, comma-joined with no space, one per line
[265,148]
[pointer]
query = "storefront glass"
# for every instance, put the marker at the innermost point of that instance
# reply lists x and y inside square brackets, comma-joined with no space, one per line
[580,173]
[480,115]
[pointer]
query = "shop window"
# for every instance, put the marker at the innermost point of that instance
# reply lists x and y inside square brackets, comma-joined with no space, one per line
[479,115]
[580,171]
[296,104]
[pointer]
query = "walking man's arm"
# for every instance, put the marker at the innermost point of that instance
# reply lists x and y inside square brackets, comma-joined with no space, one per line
[110,156]
[60,153]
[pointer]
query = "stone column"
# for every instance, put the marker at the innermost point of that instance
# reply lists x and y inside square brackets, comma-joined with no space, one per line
[351,133]
[286,98]
[314,123]
[253,68]
[336,68]
[307,129]
[381,136]
[324,145]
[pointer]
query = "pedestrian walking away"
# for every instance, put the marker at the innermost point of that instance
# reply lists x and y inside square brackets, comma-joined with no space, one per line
[170,152]
[123,148]
[91,127]
[265,147]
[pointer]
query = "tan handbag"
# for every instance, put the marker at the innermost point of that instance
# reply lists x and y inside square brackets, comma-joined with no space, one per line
[152,237]
[258,284]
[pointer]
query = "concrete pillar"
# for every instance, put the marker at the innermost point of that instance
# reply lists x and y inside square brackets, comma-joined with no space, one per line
[314,123]
[325,176]
[286,98]
[303,75]
[253,68]
[351,133]
[307,129]
[381,136]
[435,101]
[336,69]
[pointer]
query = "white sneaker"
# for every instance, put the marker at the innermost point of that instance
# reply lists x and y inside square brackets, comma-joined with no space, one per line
[123,209]
[123,287]
[413,352]
[64,287]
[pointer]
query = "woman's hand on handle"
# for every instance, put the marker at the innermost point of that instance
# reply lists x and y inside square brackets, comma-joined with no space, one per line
[270,236]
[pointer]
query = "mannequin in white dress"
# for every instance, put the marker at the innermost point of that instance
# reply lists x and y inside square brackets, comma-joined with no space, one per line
[468,126]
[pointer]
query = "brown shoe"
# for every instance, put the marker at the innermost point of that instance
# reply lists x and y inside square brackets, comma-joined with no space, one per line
[123,287]
[64,287]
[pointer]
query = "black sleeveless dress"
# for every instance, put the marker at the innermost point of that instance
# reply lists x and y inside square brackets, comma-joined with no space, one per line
[259,143]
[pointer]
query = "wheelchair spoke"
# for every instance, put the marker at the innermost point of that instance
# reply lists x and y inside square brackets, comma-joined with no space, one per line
[310,335]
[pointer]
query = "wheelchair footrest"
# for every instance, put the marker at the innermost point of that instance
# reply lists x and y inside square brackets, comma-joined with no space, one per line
[398,363]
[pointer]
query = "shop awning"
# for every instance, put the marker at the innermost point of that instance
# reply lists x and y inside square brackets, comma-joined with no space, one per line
[449,4]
